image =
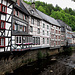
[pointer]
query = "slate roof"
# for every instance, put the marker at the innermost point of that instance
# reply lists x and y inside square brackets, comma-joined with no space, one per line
[64,24]
[21,8]
[73,35]
[40,15]
[48,18]
[61,23]
[30,10]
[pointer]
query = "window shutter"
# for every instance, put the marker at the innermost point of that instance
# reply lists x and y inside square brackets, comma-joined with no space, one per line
[0,41]
[13,27]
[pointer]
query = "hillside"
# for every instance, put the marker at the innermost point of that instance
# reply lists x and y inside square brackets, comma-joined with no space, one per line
[67,15]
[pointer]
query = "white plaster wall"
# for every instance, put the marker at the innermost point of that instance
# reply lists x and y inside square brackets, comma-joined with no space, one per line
[8,18]
[9,10]
[4,2]
[7,33]
[7,26]
[0,1]
[2,17]
[6,41]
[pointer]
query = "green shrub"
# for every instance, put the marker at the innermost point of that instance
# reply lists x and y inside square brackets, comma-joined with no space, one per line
[39,55]
[68,51]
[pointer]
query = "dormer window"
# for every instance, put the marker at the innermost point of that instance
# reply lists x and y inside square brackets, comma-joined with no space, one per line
[32,11]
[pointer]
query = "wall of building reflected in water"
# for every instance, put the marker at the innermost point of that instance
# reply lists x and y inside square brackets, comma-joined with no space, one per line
[44,67]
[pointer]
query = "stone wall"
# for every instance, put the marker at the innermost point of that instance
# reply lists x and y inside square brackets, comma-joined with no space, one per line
[8,63]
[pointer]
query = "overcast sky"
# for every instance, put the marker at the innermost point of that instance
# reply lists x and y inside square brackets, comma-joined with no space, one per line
[61,3]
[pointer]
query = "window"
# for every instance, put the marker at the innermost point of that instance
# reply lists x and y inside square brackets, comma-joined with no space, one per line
[0,7]
[38,31]
[38,23]
[34,40]
[16,27]
[2,25]
[18,39]
[43,40]
[47,33]
[24,28]
[20,15]
[24,39]
[47,26]
[31,29]
[20,28]
[43,25]
[56,42]
[56,31]
[38,40]
[3,9]
[25,17]
[16,13]
[1,41]
[47,40]
[43,32]
[32,20]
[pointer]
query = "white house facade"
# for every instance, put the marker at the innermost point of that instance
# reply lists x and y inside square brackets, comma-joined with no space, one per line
[6,8]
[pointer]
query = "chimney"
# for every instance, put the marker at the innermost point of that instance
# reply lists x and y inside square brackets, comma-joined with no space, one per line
[33,5]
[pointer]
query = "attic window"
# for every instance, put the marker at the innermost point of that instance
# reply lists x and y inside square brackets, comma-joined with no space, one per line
[32,11]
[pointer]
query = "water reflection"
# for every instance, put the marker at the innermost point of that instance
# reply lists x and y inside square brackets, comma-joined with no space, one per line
[44,67]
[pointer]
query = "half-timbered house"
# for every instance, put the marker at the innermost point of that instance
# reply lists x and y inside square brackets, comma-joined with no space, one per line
[6,10]
[21,40]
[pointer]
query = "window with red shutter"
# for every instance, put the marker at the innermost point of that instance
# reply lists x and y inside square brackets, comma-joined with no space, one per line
[2,42]
[2,24]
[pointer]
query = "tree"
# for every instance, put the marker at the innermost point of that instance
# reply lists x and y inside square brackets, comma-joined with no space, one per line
[41,9]
[73,0]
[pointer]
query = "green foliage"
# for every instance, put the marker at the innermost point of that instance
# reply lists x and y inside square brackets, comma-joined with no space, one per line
[67,15]
[68,51]
[41,9]
[27,2]
[39,55]
[67,18]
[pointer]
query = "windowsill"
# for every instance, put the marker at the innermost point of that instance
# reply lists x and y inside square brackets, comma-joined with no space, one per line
[19,43]
[2,28]
[27,43]
[2,46]
[3,12]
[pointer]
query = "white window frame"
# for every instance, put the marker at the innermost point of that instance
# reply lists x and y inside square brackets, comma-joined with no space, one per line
[20,29]
[2,25]
[31,29]
[47,40]
[3,8]
[2,41]
[18,40]
[38,30]
[24,28]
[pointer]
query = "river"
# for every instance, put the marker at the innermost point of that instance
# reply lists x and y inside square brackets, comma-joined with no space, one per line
[64,65]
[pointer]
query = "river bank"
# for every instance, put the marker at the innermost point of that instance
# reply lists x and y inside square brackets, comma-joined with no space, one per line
[62,66]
